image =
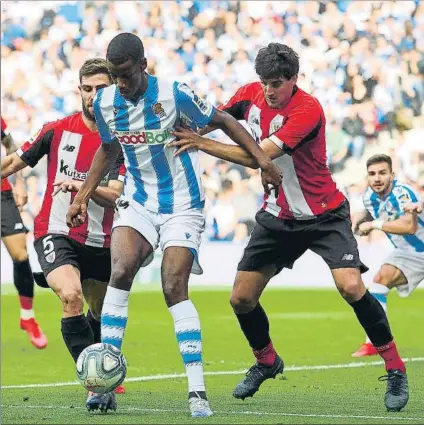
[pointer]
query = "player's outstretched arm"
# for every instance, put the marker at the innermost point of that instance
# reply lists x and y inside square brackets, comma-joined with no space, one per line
[104,158]
[105,196]
[205,130]
[187,139]
[404,225]
[11,164]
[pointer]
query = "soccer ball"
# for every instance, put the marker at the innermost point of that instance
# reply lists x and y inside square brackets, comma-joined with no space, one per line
[101,368]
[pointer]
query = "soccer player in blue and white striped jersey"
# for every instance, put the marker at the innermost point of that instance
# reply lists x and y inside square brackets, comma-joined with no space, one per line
[162,201]
[385,200]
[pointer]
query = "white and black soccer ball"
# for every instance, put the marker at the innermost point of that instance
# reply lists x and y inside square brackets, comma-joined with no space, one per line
[101,368]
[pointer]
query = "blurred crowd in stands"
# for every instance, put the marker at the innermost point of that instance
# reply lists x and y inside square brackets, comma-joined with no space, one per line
[362,60]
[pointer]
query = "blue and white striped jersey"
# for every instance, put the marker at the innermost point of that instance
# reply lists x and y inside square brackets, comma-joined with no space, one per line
[391,208]
[155,178]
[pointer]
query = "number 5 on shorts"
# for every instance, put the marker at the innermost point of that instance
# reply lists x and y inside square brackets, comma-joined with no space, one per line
[48,249]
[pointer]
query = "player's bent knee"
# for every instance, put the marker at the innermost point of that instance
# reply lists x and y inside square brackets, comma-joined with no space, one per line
[388,275]
[351,291]
[20,255]
[16,246]
[122,276]
[383,279]
[378,277]
[242,303]
[349,283]
[72,301]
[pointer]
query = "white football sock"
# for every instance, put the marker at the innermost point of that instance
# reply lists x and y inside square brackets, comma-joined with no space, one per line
[114,316]
[187,330]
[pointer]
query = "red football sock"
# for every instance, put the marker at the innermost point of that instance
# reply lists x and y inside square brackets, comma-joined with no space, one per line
[266,356]
[26,302]
[391,356]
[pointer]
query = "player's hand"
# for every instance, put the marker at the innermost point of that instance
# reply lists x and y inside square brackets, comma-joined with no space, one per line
[66,186]
[271,176]
[365,228]
[20,194]
[413,208]
[187,139]
[77,213]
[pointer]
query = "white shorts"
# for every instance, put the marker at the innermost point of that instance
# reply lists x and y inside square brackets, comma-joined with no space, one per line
[411,264]
[179,229]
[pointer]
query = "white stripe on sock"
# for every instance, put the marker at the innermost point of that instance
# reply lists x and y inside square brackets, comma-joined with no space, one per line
[115,305]
[27,314]
[186,319]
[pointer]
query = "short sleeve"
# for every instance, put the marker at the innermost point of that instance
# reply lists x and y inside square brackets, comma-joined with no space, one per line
[239,104]
[118,169]
[103,128]
[38,146]
[199,111]
[300,127]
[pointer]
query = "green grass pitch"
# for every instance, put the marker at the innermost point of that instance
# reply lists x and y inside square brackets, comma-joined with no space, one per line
[314,331]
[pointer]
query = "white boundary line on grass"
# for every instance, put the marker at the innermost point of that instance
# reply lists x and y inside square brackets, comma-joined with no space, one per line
[230,412]
[217,373]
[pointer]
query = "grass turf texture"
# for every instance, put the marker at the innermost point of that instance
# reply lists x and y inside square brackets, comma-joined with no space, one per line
[308,327]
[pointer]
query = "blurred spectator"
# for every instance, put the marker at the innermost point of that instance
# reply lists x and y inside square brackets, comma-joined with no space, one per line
[337,146]
[353,125]
[222,218]
[364,61]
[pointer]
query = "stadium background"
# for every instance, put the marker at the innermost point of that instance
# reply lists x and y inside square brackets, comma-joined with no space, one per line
[362,60]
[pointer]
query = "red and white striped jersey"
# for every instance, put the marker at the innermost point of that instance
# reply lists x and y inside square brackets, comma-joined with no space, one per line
[70,147]
[307,189]
[5,185]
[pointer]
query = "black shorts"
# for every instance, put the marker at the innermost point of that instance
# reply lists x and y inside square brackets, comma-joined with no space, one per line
[58,250]
[11,221]
[277,243]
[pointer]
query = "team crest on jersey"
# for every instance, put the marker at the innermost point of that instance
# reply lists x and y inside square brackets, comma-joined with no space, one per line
[115,112]
[276,124]
[51,257]
[158,110]
[34,137]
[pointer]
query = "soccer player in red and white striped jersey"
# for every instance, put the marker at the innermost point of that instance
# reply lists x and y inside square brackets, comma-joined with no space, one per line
[308,212]
[70,147]
[77,260]
[13,235]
